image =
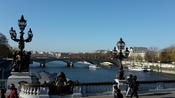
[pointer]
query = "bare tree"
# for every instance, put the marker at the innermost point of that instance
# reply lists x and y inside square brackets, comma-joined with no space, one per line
[152,55]
[167,55]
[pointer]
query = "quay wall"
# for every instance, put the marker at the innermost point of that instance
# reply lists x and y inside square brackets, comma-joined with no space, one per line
[156,66]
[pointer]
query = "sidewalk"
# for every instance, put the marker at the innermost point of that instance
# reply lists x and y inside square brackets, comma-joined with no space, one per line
[146,95]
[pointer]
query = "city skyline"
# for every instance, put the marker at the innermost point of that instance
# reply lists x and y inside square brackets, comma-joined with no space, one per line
[87,25]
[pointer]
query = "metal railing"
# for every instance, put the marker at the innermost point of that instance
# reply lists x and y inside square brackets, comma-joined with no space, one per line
[3,84]
[156,86]
[95,88]
[144,87]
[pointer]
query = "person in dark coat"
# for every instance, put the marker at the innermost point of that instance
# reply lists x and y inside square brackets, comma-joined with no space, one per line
[13,92]
[2,93]
[129,82]
[134,87]
[117,92]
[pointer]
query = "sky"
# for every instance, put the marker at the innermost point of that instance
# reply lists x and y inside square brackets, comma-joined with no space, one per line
[87,25]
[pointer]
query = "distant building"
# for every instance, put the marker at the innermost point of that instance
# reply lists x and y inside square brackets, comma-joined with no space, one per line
[102,51]
[138,53]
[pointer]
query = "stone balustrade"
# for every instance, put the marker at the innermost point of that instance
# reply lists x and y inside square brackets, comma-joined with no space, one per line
[41,91]
[97,88]
[34,91]
[81,89]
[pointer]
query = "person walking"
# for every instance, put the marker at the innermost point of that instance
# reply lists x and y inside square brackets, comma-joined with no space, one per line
[117,92]
[13,92]
[2,93]
[129,82]
[134,87]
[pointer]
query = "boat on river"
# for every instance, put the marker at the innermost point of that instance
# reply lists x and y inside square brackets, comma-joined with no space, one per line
[92,66]
[140,68]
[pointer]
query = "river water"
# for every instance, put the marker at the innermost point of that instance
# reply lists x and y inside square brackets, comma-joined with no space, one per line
[83,73]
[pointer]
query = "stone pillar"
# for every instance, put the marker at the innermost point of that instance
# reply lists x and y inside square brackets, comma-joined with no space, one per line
[70,64]
[17,77]
[42,65]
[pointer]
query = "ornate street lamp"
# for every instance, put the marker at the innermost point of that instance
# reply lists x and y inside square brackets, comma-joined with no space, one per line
[21,41]
[120,55]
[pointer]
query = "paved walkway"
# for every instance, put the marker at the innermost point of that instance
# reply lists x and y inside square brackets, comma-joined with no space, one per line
[146,95]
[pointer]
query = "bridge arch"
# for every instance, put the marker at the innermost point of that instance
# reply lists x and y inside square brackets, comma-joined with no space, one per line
[84,63]
[110,63]
[57,63]
[34,64]
[43,63]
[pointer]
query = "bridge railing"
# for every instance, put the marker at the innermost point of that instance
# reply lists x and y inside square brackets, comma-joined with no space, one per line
[80,89]
[95,88]
[101,88]
[3,84]
[156,86]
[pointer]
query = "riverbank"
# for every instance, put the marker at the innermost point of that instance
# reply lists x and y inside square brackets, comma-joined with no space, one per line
[165,71]
[157,67]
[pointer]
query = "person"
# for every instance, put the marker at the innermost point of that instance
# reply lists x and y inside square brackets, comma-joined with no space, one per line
[134,87]
[2,93]
[129,81]
[13,92]
[61,78]
[61,82]
[117,92]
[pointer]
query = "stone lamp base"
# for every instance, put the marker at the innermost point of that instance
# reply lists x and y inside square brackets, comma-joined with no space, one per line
[17,77]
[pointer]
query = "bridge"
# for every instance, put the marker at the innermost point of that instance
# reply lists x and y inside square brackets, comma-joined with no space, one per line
[71,61]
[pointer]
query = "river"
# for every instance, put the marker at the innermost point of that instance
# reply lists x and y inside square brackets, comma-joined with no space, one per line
[82,73]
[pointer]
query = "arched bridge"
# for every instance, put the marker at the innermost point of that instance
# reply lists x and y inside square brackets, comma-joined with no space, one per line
[71,61]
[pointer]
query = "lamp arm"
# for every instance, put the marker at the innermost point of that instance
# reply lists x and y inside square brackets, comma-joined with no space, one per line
[16,40]
[30,35]
[13,37]
[29,39]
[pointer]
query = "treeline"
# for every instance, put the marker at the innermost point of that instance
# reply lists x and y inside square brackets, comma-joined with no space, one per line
[166,55]
[101,56]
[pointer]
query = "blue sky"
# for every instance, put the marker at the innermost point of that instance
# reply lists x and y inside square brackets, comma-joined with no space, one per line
[87,25]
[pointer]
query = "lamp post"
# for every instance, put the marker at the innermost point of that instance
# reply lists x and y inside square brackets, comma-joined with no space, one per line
[21,41]
[159,68]
[120,55]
